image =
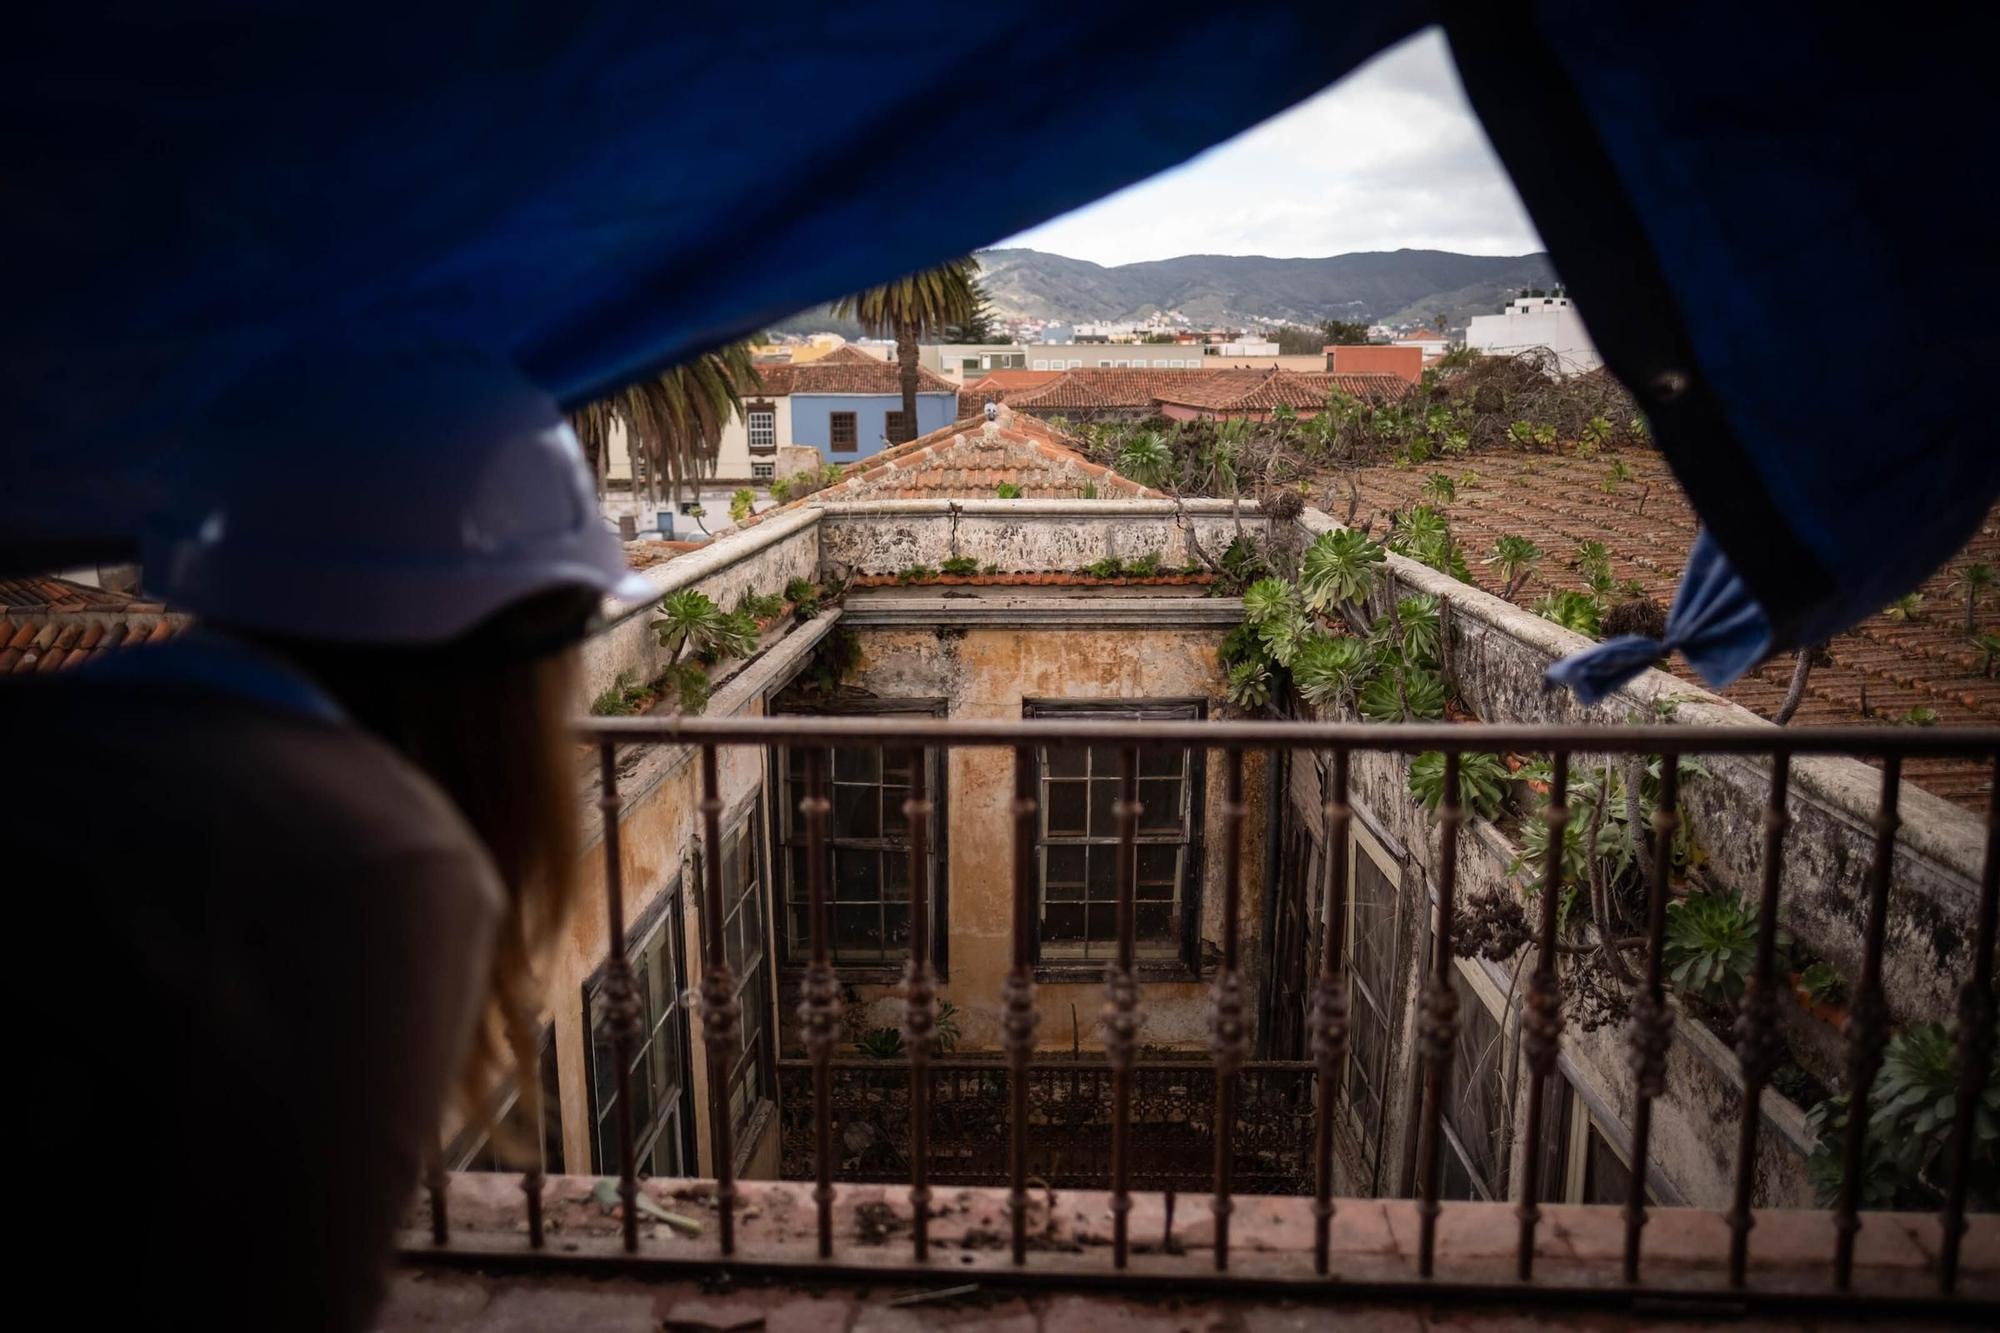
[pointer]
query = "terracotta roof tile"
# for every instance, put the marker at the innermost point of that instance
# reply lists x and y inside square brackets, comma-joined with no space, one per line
[969,460]
[52,624]
[848,370]
[1307,390]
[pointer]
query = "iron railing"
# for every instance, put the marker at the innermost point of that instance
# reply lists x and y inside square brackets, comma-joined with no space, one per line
[1112,1086]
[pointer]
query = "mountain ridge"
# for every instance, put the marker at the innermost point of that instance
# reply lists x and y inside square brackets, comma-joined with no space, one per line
[1388,286]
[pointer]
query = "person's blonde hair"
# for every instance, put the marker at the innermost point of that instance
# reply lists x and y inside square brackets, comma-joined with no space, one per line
[488,720]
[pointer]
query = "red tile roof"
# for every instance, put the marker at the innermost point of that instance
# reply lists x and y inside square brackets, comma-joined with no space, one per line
[1122,388]
[1290,388]
[1006,380]
[969,460]
[50,624]
[849,370]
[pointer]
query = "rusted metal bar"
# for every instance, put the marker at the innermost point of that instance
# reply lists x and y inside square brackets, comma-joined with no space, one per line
[1652,1017]
[819,1004]
[1760,1042]
[1975,1043]
[1437,1024]
[621,991]
[1019,1017]
[1228,1033]
[435,1183]
[521,1036]
[1121,1003]
[1223,734]
[919,1004]
[721,1012]
[1541,1016]
[1867,1026]
[1328,1019]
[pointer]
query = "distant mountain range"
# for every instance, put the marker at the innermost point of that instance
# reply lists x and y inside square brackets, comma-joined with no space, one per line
[1395,286]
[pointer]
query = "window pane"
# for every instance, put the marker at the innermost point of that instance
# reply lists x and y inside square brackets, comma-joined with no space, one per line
[1159,870]
[1103,795]
[857,930]
[857,875]
[1161,798]
[1473,1107]
[798,878]
[857,811]
[1101,920]
[1155,763]
[1065,872]
[1154,921]
[1066,809]
[896,922]
[1067,762]
[857,764]
[1063,922]
[1104,761]
[1104,872]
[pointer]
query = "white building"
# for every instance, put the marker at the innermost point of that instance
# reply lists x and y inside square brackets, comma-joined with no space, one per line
[1532,322]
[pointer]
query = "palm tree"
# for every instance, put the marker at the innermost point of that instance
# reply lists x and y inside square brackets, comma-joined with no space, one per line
[913,307]
[673,422]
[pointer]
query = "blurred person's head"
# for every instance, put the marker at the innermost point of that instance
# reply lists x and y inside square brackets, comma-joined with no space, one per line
[416,530]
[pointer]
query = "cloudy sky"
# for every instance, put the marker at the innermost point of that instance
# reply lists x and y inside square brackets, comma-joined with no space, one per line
[1389,157]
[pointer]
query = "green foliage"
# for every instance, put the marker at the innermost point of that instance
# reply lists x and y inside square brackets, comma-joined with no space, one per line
[1329,670]
[761,606]
[1242,564]
[960,565]
[1249,685]
[1988,648]
[833,661]
[1711,946]
[1423,533]
[804,595]
[1906,608]
[946,1031]
[1596,434]
[1412,633]
[1089,491]
[1145,459]
[1267,599]
[1592,561]
[1823,985]
[1144,566]
[1514,558]
[736,636]
[620,700]
[881,1043]
[915,574]
[1529,434]
[741,503]
[1440,489]
[1920,716]
[691,623]
[1482,782]
[1110,567]
[1339,567]
[1909,1127]
[1572,610]
[1403,694]
[1007,490]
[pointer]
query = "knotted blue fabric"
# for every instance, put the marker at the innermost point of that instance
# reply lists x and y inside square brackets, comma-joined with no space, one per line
[1716,624]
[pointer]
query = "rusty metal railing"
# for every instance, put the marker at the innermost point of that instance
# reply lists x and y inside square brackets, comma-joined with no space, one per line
[1757,1044]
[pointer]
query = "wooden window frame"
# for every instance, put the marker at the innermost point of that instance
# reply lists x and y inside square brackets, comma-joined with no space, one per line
[795,954]
[1184,963]
[663,914]
[834,422]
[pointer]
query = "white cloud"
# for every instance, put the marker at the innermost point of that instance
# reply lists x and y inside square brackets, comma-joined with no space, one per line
[1390,157]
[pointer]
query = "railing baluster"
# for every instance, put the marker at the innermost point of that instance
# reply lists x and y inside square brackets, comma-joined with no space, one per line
[1227,1033]
[1541,1016]
[919,1003]
[1121,1003]
[819,1005]
[1975,1042]
[1760,1043]
[435,1183]
[721,1012]
[621,992]
[1328,1019]
[522,1037]
[1652,1018]
[1019,1017]
[1867,1024]
[1437,1025]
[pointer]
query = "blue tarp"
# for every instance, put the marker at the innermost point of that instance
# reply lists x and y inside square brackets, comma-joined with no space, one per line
[1777,220]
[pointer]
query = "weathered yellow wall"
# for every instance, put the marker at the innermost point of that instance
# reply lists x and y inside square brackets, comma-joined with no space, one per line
[986,673]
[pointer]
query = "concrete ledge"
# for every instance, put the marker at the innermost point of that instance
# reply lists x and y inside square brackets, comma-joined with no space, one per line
[1373,1249]
[995,607]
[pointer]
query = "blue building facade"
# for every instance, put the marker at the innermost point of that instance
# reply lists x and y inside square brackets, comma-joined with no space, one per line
[814,420]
